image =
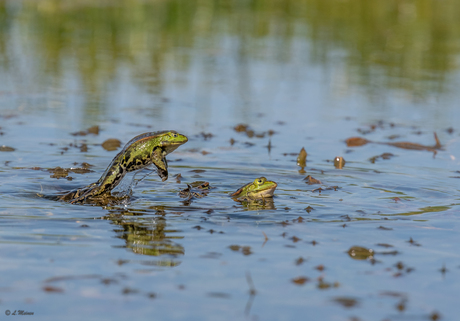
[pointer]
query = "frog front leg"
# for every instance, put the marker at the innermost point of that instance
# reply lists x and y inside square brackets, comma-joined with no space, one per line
[159,160]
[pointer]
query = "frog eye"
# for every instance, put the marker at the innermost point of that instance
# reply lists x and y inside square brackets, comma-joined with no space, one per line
[259,181]
[174,135]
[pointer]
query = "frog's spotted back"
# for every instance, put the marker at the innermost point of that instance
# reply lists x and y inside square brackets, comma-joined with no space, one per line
[239,192]
[149,135]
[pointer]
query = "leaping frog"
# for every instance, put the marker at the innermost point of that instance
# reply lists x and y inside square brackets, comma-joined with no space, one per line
[140,152]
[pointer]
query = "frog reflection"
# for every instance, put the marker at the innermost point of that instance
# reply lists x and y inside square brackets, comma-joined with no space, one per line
[257,204]
[147,237]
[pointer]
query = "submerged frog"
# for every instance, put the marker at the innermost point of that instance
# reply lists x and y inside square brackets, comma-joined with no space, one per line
[140,152]
[260,188]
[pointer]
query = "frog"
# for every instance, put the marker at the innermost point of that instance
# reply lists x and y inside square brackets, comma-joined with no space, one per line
[141,151]
[260,188]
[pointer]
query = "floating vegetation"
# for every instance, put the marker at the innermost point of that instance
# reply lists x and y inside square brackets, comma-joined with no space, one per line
[382,156]
[310,180]
[302,160]
[358,141]
[300,280]
[360,253]
[111,144]
[92,130]
[4,148]
[339,162]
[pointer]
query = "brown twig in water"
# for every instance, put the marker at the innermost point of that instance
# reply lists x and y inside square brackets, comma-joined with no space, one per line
[266,238]
[252,292]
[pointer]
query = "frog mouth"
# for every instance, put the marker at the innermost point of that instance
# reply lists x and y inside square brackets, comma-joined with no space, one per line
[172,146]
[268,192]
[175,143]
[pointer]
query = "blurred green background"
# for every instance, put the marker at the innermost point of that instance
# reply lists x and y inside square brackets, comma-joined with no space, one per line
[411,45]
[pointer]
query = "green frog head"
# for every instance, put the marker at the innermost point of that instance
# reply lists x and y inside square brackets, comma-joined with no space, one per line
[170,140]
[167,140]
[260,188]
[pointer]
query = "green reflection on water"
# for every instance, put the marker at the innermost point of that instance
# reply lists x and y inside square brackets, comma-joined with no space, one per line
[147,237]
[392,44]
[408,40]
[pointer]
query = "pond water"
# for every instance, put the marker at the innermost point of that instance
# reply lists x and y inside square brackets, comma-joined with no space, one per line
[378,241]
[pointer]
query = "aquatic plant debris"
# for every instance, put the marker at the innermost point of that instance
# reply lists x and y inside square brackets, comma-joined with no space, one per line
[358,141]
[92,130]
[310,180]
[4,148]
[111,144]
[302,160]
